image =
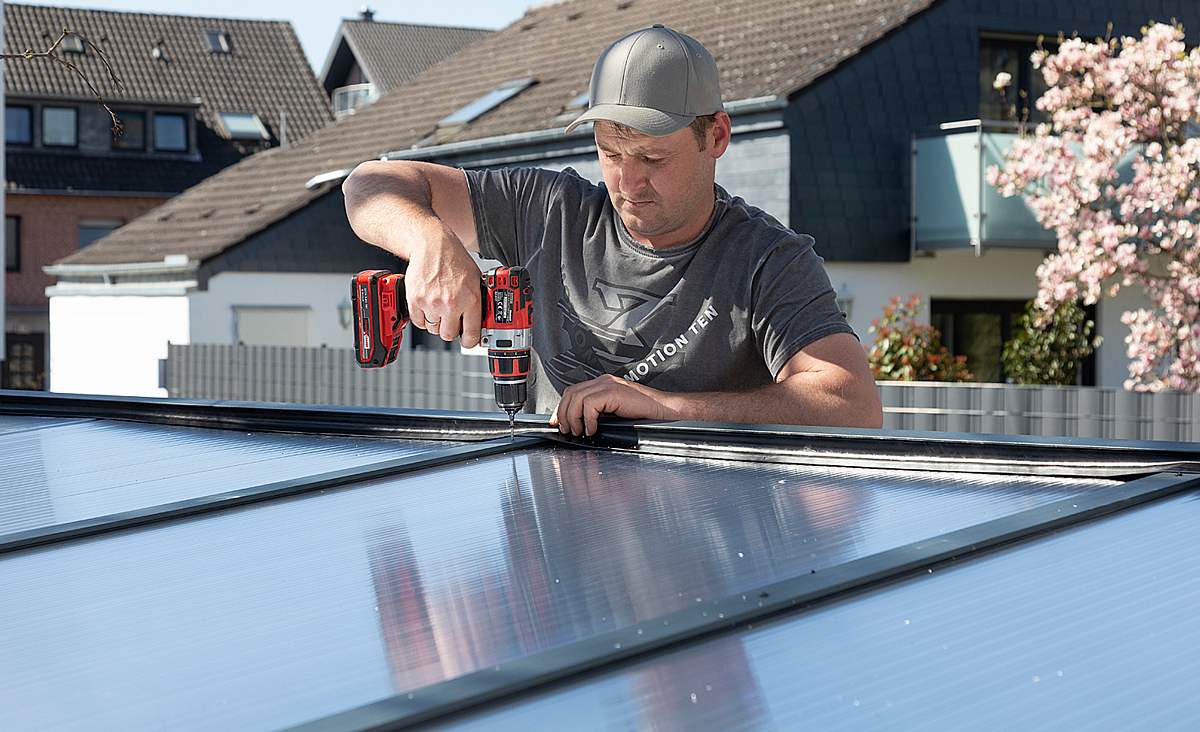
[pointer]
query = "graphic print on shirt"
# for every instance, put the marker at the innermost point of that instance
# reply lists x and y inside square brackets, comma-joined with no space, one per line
[610,340]
[605,339]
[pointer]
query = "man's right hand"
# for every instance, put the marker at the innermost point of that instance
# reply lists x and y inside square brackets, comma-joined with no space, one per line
[442,287]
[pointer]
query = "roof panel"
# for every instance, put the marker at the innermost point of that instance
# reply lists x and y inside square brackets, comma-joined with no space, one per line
[276,613]
[85,469]
[1093,628]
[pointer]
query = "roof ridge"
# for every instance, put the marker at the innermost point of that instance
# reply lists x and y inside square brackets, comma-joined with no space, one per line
[127,13]
[420,25]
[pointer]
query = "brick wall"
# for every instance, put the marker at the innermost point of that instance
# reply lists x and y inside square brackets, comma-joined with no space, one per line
[50,231]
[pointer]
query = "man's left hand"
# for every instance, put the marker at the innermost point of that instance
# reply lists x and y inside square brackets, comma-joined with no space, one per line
[583,403]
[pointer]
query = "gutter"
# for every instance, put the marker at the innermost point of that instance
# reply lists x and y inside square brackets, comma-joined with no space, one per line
[555,134]
[172,264]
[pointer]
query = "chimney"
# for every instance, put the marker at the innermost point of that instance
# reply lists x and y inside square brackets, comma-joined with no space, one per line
[366,13]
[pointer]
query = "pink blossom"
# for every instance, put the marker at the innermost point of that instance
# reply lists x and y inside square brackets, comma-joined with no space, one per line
[1108,101]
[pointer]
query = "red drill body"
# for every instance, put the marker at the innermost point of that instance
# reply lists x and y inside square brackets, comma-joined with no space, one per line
[381,313]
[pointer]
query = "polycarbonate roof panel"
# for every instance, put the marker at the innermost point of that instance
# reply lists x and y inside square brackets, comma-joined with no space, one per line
[1092,628]
[21,423]
[78,470]
[277,613]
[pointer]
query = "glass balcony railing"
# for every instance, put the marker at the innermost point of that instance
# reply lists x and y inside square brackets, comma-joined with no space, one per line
[953,207]
[348,99]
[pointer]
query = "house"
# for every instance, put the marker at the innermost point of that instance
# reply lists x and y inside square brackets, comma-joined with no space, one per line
[197,95]
[828,100]
[369,58]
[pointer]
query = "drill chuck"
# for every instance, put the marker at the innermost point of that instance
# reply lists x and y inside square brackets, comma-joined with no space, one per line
[511,395]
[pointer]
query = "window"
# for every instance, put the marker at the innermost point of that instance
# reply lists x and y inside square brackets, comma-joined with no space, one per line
[12,243]
[24,361]
[92,229]
[170,132]
[486,103]
[18,125]
[977,329]
[1010,55]
[241,126]
[72,43]
[134,135]
[218,41]
[58,126]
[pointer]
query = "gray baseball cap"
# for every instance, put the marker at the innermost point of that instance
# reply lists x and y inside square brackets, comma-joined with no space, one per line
[655,80]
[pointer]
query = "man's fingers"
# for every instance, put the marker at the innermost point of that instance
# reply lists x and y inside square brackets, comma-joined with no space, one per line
[416,316]
[471,324]
[591,415]
[450,328]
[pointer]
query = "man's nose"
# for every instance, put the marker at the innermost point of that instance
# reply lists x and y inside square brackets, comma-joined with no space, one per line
[635,176]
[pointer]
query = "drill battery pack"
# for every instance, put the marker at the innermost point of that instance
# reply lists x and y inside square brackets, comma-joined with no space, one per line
[380,314]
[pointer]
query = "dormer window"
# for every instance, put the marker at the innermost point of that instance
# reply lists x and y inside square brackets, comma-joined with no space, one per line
[71,43]
[486,103]
[133,135]
[243,126]
[218,41]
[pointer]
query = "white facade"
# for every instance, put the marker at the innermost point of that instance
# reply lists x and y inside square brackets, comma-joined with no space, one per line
[313,298]
[111,344]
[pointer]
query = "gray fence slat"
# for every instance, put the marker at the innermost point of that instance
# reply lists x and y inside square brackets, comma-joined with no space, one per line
[450,379]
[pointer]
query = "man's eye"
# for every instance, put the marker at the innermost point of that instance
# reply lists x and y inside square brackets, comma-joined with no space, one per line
[653,161]
[611,156]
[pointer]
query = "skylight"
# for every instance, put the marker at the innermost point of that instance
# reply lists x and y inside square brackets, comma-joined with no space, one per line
[573,108]
[218,41]
[72,43]
[243,126]
[487,102]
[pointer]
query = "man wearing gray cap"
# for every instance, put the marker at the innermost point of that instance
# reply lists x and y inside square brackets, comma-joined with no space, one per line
[657,294]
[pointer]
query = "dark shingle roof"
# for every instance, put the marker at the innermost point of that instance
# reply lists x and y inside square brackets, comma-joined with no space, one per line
[31,171]
[764,47]
[265,73]
[391,54]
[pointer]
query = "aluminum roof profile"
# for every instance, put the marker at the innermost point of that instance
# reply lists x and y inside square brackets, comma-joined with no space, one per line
[833,447]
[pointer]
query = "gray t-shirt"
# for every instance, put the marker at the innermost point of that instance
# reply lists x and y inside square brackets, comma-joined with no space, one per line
[723,312]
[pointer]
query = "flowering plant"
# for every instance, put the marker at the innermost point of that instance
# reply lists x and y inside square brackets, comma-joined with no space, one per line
[905,350]
[1109,101]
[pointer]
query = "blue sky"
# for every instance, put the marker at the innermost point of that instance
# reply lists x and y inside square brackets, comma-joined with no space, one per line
[316,22]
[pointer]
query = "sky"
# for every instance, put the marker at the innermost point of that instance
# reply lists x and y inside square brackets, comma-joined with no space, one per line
[316,22]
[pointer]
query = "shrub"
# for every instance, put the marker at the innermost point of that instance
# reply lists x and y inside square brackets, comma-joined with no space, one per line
[905,350]
[1052,353]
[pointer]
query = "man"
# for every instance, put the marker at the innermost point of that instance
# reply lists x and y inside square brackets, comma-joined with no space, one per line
[657,295]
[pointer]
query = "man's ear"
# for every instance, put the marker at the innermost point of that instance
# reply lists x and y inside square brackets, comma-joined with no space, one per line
[719,134]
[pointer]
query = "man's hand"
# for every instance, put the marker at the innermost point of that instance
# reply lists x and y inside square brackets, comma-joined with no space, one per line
[442,288]
[583,403]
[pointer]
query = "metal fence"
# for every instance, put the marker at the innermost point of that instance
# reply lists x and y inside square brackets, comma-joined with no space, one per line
[453,380]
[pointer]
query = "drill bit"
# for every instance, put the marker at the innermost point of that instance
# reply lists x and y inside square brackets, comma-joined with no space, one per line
[512,424]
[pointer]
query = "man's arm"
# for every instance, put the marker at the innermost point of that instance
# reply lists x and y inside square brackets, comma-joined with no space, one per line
[827,383]
[422,213]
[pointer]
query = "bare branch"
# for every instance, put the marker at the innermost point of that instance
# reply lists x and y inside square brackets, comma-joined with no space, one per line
[50,53]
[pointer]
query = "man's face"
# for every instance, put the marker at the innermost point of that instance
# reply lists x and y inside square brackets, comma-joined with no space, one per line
[662,187]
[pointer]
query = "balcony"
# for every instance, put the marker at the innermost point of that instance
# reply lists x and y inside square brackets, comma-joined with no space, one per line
[953,207]
[348,99]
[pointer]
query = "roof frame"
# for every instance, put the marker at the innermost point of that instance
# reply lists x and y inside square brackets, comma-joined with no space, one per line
[823,446]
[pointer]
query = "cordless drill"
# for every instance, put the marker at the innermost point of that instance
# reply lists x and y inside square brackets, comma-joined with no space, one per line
[506,295]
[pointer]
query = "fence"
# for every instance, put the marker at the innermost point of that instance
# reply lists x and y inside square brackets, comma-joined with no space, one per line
[452,380]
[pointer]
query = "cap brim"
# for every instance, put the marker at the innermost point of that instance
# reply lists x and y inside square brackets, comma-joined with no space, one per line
[643,119]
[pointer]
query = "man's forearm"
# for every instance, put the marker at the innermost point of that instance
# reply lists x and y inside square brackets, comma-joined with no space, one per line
[804,398]
[391,207]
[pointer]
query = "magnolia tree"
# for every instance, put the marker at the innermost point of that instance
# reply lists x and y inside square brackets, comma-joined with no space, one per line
[1107,100]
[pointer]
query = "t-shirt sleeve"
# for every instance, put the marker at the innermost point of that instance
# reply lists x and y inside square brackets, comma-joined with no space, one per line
[793,302]
[510,207]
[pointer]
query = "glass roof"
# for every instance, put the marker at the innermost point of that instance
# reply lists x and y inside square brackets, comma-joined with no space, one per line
[59,471]
[280,612]
[1092,628]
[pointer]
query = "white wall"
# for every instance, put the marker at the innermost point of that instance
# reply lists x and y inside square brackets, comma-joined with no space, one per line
[112,344]
[998,274]
[212,315]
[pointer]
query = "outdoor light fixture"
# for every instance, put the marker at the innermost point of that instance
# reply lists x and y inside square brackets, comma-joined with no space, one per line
[345,312]
[844,300]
